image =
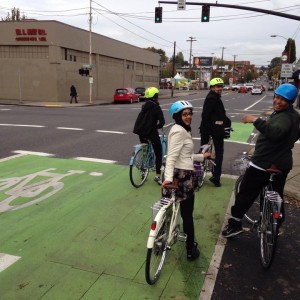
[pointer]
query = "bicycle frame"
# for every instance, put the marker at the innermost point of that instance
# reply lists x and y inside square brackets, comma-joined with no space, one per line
[165,207]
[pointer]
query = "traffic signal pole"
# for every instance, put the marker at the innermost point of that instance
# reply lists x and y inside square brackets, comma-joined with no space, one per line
[265,11]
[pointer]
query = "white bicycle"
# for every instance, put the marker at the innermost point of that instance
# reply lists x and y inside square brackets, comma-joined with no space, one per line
[164,233]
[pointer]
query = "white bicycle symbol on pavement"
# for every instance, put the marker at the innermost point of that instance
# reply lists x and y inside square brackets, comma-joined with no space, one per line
[22,187]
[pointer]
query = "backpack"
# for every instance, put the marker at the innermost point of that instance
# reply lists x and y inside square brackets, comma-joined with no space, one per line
[143,124]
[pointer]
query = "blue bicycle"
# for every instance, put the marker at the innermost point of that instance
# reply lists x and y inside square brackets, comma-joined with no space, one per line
[142,160]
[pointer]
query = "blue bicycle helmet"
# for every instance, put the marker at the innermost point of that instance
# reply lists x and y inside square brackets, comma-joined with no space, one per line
[288,91]
[179,106]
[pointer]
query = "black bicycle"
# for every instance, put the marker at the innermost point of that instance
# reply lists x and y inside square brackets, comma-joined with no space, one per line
[265,215]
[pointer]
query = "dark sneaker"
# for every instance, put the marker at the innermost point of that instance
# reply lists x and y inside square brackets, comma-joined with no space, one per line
[158,180]
[232,229]
[215,181]
[193,253]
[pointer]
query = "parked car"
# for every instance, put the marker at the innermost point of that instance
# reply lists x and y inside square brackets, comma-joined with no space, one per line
[256,90]
[242,89]
[249,86]
[141,92]
[126,95]
[226,87]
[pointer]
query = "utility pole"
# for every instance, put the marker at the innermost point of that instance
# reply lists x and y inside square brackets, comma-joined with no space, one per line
[173,71]
[234,56]
[191,40]
[223,61]
[90,53]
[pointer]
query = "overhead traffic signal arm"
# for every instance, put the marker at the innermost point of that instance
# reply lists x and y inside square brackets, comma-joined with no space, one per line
[205,13]
[158,15]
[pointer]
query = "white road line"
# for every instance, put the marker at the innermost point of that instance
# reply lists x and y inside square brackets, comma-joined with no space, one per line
[20,125]
[7,260]
[5,109]
[69,128]
[255,102]
[33,153]
[96,160]
[106,131]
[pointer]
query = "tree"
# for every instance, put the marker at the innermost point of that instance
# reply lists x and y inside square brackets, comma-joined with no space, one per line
[14,16]
[290,48]
[162,53]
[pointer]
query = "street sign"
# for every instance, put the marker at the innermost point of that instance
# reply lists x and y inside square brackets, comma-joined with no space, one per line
[181,5]
[286,70]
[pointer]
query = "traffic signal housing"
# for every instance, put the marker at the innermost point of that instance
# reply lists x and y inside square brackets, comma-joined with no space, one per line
[158,15]
[84,72]
[205,13]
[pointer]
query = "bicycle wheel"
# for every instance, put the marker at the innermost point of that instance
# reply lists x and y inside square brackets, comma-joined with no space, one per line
[138,173]
[156,256]
[252,215]
[268,235]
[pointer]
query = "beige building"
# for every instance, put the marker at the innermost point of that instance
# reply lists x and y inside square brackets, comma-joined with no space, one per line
[40,60]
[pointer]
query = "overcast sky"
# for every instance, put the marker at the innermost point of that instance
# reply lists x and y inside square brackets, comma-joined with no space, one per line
[238,32]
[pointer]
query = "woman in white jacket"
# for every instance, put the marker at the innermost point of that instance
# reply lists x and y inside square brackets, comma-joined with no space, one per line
[180,168]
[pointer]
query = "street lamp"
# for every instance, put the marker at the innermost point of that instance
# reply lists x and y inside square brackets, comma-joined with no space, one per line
[289,45]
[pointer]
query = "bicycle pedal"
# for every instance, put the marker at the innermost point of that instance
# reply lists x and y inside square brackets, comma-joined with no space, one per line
[181,237]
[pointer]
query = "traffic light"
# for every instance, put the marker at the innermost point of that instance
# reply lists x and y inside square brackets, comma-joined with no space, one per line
[205,13]
[84,72]
[158,15]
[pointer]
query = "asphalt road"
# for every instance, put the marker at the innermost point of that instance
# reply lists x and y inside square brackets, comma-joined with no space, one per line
[104,132]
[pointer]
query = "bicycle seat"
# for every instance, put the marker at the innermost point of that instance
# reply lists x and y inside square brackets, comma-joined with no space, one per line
[273,170]
[172,185]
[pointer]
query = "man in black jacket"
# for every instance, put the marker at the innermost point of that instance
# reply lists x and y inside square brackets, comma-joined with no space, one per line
[213,124]
[150,119]
[278,135]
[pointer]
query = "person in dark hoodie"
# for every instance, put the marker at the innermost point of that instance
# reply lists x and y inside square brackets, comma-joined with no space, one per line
[273,148]
[149,120]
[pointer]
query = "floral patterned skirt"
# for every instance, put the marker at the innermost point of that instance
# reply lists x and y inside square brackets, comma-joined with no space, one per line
[184,179]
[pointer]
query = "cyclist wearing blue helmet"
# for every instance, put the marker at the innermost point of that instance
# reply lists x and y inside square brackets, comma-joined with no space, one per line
[180,168]
[278,135]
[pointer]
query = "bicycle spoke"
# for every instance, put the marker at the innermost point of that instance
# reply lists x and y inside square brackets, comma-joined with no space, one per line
[157,254]
[138,173]
[268,236]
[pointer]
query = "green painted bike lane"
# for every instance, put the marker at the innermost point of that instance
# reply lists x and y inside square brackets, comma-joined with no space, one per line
[80,230]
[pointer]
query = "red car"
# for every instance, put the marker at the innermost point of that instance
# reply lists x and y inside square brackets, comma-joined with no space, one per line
[242,89]
[128,95]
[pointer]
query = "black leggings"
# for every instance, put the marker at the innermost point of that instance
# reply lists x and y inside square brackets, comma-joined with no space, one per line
[186,210]
[156,144]
[253,181]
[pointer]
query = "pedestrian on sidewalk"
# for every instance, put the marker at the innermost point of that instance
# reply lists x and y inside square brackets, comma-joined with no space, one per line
[274,144]
[73,94]
[215,124]
[180,169]
[149,120]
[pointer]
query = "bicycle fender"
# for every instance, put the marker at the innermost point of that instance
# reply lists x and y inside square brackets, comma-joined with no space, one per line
[159,220]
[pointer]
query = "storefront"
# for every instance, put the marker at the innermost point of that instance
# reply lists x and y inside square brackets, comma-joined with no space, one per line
[40,60]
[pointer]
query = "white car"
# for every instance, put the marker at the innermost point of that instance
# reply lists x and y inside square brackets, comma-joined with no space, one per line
[256,90]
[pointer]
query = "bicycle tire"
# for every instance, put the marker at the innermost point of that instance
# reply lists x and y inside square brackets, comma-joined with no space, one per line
[252,215]
[157,254]
[137,173]
[268,235]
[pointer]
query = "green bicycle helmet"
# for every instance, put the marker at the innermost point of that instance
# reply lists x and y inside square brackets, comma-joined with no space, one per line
[216,81]
[151,92]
